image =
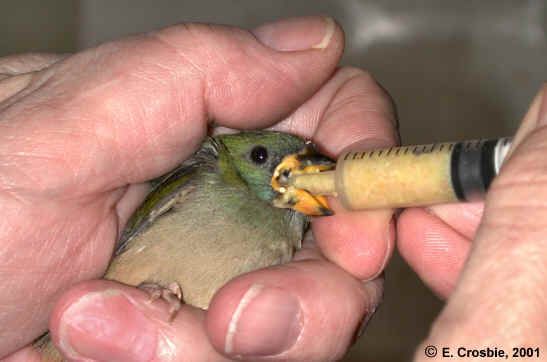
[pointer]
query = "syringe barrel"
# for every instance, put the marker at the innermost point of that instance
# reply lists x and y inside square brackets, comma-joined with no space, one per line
[418,175]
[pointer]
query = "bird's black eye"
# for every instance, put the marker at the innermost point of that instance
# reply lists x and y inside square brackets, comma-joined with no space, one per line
[259,155]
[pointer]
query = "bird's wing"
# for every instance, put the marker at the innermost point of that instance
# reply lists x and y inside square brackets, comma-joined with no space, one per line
[168,190]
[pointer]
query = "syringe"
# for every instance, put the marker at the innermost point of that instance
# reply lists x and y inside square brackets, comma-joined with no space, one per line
[410,175]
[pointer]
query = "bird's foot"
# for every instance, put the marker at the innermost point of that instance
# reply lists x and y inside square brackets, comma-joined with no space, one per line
[172,294]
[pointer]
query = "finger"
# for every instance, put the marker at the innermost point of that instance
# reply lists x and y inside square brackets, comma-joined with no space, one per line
[351,112]
[106,321]
[463,217]
[360,116]
[125,112]
[132,109]
[433,248]
[27,63]
[276,313]
[506,269]
[435,241]
[15,72]
[349,108]
[27,354]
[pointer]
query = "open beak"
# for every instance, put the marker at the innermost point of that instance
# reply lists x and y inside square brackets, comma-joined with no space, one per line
[308,160]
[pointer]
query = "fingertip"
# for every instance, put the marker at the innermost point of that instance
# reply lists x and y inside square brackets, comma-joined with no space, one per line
[432,248]
[374,291]
[276,309]
[246,305]
[364,108]
[27,354]
[108,321]
[276,312]
[300,56]
[298,33]
[360,242]
[464,217]
[253,79]
[102,321]
[534,117]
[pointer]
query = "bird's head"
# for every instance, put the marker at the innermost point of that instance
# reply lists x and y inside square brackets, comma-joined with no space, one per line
[256,154]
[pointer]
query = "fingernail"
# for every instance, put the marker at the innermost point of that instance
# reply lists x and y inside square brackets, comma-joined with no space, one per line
[374,289]
[542,113]
[535,109]
[390,237]
[368,144]
[106,326]
[266,322]
[536,116]
[363,325]
[14,84]
[302,33]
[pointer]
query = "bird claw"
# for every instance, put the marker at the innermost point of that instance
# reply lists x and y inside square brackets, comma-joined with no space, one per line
[172,294]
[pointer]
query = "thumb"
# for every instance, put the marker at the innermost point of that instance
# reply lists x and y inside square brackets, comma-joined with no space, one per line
[141,105]
[103,320]
[499,299]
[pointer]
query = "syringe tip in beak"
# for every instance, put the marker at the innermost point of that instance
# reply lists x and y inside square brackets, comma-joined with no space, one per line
[321,183]
[306,162]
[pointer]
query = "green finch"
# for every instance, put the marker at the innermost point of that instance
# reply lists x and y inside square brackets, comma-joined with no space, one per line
[213,218]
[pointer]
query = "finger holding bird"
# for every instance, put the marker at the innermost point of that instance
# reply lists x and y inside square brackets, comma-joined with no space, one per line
[213,218]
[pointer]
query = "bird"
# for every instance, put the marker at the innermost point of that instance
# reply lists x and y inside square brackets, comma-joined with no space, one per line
[217,215]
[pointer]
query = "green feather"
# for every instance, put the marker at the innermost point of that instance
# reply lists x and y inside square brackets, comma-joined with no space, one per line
[228,156]
[211,218]
[257,176]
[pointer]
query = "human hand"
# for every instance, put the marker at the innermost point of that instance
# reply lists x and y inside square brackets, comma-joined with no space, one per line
[493,267]
[80,136]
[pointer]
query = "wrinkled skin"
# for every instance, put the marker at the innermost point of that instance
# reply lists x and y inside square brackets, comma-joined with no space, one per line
[65,208]
[489,259]
[79,135]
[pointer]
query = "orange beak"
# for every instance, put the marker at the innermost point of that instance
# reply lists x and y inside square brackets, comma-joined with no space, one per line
[304,162]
